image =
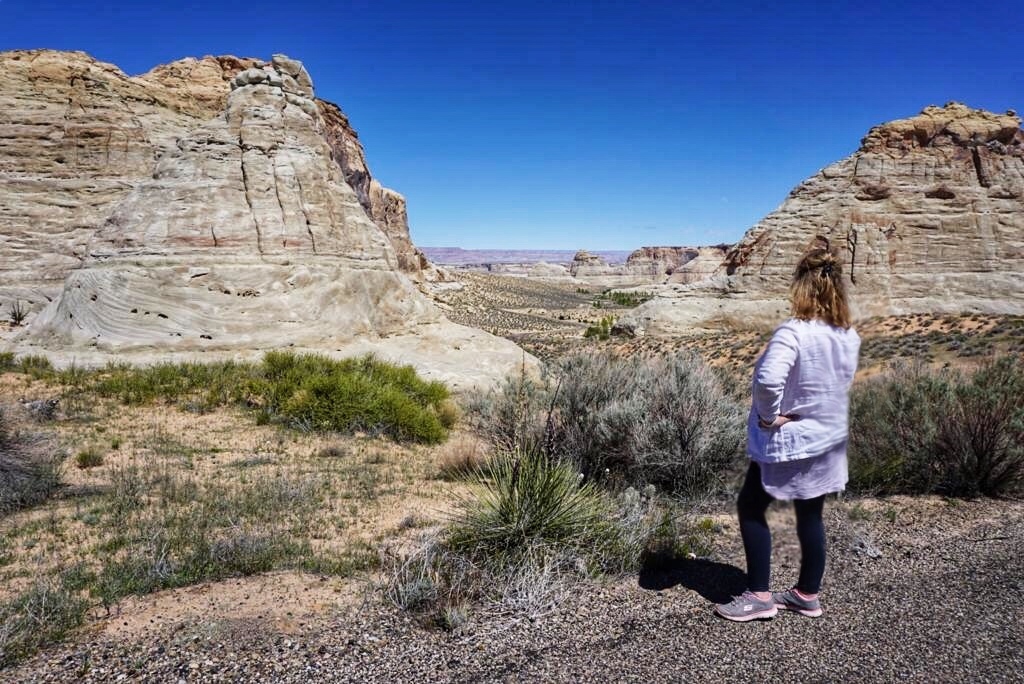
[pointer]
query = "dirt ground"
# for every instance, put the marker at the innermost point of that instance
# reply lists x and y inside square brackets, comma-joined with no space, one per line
[309,626]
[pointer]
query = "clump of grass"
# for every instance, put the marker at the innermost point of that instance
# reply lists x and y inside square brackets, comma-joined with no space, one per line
[35,365]
[43,614]
[30,464]
[531,528]
[914,430]
[334,451]
[6,361]
[622,421]
[364,394]
[307,392]
[528,500]
[462,458]
[89,458]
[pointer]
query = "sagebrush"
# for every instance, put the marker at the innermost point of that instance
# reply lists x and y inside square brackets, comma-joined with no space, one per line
[915,430]
[30,463]
[666,421]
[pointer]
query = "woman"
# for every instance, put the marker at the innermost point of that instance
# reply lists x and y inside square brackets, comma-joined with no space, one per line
[796,434]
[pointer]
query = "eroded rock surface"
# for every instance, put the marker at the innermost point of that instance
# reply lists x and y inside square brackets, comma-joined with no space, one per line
[244,234]
[77,135]
[646,265]
[928,214]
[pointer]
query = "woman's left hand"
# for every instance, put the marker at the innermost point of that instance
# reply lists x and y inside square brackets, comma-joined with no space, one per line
[779,421]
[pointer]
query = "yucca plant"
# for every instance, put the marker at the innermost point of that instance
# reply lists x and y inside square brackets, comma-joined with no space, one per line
[526,499]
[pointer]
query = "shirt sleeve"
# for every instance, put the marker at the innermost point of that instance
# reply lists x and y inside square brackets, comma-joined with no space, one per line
[770,376]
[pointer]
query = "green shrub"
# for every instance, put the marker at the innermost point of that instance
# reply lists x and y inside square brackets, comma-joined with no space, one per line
[602,330]
[89,458]
[917,431]
[625,421]
[309,392]
[893,429]
[18,313]
[318,393]
[623,299]
[525,500]
[530,528]
[6,361]
[981,440]
[29,465]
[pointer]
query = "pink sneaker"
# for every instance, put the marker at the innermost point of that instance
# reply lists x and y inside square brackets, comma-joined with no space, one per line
[790,600]
[747,607]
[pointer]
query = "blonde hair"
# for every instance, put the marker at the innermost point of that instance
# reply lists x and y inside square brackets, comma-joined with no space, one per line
[818,290]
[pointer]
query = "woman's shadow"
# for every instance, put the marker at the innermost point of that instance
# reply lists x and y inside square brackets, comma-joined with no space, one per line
[716,582]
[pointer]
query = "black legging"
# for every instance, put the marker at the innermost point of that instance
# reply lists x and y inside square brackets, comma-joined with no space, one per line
[757,538]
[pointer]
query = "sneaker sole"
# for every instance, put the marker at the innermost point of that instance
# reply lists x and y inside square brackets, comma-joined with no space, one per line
[763,615]
[811,613]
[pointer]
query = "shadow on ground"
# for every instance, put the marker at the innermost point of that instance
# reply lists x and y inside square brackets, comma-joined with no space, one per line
[716,582]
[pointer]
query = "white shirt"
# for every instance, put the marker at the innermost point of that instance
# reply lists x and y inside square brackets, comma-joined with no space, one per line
[806,370]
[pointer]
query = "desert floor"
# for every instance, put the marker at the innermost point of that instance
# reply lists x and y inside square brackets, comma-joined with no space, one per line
[918,588]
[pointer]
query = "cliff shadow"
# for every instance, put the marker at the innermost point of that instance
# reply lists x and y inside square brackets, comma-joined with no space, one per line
[716,582]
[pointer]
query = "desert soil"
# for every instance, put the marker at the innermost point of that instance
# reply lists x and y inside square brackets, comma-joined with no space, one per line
[918,589]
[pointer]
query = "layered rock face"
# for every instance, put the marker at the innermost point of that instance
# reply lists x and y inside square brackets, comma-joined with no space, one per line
[244,236]
[928,215]
[659,262]
[646,265]
[77,135]
[385,206]
[701,266]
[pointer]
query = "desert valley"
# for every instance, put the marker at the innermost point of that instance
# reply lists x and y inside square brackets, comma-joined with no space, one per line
[249,431]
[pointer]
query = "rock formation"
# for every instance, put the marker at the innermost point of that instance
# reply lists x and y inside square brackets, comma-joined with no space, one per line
[701,266]
[644,266]
[928,215]
[659,262]
[244,234]
[77,135]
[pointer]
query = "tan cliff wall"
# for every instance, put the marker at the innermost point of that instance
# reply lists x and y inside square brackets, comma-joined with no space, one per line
[142,232]
[77,135]
[928,215]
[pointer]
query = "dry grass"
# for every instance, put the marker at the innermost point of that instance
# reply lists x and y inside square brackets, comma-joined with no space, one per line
[166,498]
[275,499]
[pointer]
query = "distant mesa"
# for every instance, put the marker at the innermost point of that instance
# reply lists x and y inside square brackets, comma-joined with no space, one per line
[643,266]
[928,215]
[211,206]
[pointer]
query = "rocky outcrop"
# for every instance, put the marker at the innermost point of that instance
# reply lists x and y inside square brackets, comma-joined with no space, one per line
[644,266]
[78,135]
[701,266]
[659,262]
[928,215]
[385,206]
[245,235]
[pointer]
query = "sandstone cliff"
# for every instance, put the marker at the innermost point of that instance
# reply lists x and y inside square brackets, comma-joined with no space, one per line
[928,213]
[77,135]
[225,236]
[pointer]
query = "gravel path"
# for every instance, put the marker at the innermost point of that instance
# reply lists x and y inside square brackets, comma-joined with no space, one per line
[918,591]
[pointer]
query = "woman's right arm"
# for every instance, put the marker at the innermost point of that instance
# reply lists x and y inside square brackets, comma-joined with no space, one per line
[770,377]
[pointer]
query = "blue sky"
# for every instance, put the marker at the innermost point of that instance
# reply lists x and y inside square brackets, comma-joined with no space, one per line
[564,125]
